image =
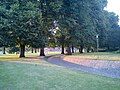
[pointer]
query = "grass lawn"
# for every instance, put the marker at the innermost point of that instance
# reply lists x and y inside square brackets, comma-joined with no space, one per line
[98,56]
[45,76]
[9,57]
[15,57]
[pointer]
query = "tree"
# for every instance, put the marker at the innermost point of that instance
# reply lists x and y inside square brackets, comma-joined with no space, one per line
[22,17]
[49,10]
[65,21]
[5,39]
[113,32]
[29,21]
[79,22]
[91,21]
[99,19]
[82,29]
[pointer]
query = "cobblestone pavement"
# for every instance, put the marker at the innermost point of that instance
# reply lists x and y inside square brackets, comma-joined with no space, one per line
[101,67]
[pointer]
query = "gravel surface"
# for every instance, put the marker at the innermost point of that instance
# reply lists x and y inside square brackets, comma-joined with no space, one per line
[100,67]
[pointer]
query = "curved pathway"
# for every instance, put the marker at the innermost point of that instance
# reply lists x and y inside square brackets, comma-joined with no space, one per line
[100,67]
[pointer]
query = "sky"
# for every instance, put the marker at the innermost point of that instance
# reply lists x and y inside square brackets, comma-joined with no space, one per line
[114,6]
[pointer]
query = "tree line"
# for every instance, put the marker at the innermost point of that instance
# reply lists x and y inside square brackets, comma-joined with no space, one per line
[64,23]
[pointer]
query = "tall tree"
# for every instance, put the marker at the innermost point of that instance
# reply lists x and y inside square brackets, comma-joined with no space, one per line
[49,10]
[113,32]
[5,39]
[22,17]
[65,21]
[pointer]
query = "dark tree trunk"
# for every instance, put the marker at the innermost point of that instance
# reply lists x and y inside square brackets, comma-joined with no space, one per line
[4,50]
[62,49]
[32,50]
[73,49]
[68,50]
[81,49]
[38,50]
[92,50]
[35,50]
[42,53]
[88,49]
[108,48]
[22,50]
[63,44]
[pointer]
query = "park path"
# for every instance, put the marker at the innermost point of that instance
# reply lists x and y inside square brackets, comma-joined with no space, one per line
[100,67]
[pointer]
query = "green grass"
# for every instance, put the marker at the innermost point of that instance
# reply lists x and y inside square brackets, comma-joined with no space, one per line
[14,57]
[9,57]
[98,56]
[45,76]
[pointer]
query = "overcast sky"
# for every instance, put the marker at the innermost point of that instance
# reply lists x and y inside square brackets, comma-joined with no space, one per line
[114,6]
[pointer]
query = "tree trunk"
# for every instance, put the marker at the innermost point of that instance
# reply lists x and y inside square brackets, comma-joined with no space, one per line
[32,50]
[81,49]
[68,50]
[22,50]
[35,50]
[42,53]
[4,50]
[62,49]
[108,48]
[73,49]
[88,49]
[92,50]
[38,50]
[63,44]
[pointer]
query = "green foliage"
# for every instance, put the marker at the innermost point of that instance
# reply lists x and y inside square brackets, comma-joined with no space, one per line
[80,21]
[14,49]
[24,22]
[113,32]
[5,39]
[28,22]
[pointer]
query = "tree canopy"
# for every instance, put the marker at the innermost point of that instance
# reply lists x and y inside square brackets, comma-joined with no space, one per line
[66,23]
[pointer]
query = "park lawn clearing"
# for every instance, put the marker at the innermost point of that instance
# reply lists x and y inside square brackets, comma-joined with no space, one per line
[45,76]
[28,55]
[96,56]
[15,57]
[9,57]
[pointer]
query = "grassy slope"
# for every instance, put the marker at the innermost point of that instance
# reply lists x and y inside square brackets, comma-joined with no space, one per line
[45,76]
[98,56]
